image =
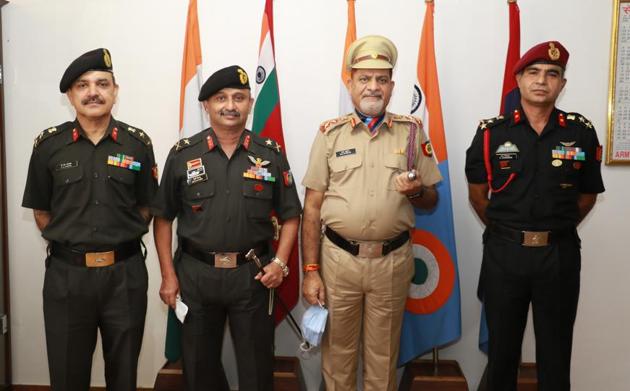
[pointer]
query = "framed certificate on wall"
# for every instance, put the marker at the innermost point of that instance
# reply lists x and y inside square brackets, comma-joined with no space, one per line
[618,146]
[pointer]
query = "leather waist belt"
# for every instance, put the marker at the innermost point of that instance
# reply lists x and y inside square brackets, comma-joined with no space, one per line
[530,238]
[119,253]
[218,259]
[367,249]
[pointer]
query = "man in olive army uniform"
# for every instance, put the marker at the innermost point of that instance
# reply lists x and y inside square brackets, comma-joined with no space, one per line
[533,175]
[90,183]
[222,185]
[366,173]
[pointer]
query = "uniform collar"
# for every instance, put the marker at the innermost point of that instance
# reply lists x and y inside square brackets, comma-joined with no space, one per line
[557,119]
[211,141]
[356,121]
[113,132]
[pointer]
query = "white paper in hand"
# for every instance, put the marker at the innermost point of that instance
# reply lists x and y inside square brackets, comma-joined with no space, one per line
[181,309]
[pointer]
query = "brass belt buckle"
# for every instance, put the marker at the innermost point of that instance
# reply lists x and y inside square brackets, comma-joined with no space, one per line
[99,259]
[225,260]
[370,249]
[535,238]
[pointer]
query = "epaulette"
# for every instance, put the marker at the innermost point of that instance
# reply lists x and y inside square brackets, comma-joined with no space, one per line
[333,123]
[580,119]
[491,122]
[53,131]
[267,142]
[186,142]
[407,118]
[137,133]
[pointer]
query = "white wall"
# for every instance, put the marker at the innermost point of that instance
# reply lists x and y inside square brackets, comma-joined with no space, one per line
[145,37]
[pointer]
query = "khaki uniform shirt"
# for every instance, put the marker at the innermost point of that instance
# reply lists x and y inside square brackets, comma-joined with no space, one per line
[356,172]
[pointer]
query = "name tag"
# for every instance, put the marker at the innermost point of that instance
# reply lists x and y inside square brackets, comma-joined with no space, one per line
[66,165]
[346,152]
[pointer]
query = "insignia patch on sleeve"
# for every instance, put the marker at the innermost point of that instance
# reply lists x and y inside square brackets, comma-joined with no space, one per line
[427,149]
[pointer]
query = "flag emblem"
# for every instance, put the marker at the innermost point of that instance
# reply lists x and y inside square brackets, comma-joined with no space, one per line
[261,75]
[434,278]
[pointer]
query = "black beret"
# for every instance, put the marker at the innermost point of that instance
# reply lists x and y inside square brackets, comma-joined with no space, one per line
[94,60]
[230,77]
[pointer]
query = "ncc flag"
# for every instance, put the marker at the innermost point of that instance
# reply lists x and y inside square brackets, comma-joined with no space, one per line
[268,123]
[345,103]
[510,99]
[432,315]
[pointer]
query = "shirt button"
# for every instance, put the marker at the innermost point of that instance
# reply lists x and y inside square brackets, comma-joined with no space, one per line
[96,202]
[371,193]
[95,175]
[67,180]
[227,191]
[94,229]
[198,194]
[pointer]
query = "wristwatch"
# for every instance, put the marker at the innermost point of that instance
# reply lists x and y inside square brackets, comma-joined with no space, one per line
[283,266]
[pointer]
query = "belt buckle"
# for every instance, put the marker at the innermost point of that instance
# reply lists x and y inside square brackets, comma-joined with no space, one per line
[370,249]
[101,259]
[225,260]
[535,238]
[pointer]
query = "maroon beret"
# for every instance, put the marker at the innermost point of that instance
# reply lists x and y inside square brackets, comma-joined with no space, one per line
[551,52]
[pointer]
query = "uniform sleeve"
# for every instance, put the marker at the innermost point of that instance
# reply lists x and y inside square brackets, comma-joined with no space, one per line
[147,185]
[317,173]
[426,166]
[166,201]
[475,166]
[286,202]
[591,178]
[38,183]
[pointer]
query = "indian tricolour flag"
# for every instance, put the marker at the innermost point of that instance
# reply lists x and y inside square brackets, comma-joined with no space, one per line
[191,115]
[432,315]
[268,123]
[191,121]
[345,103]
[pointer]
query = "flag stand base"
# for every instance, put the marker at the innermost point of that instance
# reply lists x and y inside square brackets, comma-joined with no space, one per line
[425,375]
[287,376]
[527,379]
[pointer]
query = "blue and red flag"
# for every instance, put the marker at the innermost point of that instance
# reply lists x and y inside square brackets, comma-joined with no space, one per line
[432,314]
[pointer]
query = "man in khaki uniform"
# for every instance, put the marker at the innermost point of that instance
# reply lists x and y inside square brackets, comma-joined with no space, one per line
[366,173]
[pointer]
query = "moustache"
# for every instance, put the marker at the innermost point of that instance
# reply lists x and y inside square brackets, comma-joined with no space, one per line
[92,99]
[234,113]
[373,96]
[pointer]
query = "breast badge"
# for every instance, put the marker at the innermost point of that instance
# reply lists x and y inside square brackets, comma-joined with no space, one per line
[259,170]
[196,172]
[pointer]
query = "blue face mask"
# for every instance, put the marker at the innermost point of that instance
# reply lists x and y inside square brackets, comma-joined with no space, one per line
[314,323]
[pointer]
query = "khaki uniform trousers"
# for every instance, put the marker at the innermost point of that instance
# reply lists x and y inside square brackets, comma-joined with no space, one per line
[366,298]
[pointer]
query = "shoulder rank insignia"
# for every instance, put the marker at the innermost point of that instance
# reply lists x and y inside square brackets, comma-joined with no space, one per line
[490,122]
[579,119]
[46,133]
[182,143]
[139,134]
[269,143]
[405,118]
[333,123]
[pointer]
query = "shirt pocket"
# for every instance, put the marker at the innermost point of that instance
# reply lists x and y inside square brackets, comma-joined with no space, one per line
[342,168]
[68,184]
[121,186]
[502,168]
[198,197]
[394,165]
[258,197]
[68,176]
[566,174]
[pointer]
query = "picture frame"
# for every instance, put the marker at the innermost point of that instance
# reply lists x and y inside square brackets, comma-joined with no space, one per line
[618,140]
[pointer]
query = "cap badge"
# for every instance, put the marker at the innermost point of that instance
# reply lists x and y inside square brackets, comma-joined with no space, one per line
[242,76]
[107,58]
[554,52]
[374,55]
